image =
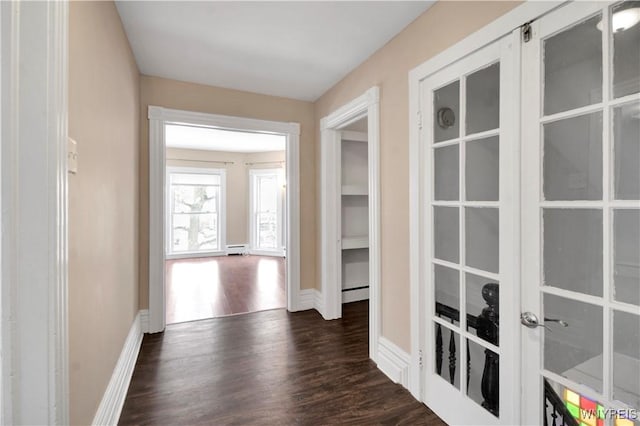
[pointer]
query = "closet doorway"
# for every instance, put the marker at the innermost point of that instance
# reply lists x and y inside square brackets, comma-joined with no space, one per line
[350,208]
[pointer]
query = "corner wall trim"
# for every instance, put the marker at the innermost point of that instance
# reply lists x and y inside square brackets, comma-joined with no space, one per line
[394,362]
[113,399]
[310,298]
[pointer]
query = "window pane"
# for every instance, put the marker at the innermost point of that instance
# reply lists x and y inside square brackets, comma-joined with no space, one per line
[573,67]
[267,226]
[483,293]
[446,233]
[194,199]
[481,240]
[447,352]
[446,175]
[194,232]
[573,158]
[626,358]
[626,136]
[483,362]
[626,54]
[483,100]
[575,351]
[626,256]
[573,250]
[447,288]
[482,169]
[446,109]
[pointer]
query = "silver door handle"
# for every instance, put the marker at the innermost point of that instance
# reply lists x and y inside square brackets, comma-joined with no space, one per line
[529,319]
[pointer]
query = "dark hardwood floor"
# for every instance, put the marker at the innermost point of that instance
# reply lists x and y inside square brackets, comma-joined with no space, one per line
[268,368]
[211,287]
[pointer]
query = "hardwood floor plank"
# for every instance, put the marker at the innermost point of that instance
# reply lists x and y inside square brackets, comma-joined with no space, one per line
[270,367]
[212,287]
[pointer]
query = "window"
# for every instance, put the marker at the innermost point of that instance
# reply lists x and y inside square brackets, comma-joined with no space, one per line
[195,210]
[267,188]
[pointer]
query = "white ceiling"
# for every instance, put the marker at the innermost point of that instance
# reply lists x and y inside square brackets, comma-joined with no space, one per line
[209,139]
[293,49]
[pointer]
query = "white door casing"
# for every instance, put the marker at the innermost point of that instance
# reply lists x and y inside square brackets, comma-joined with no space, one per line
[366,105]
[158,118]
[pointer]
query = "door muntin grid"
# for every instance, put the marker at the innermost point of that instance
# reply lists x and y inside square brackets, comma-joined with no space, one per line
[465,212]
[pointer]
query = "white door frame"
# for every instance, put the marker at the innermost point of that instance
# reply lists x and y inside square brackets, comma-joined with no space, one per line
[366,105]
[158,118]
[34,345]
[419,170]
[278,251]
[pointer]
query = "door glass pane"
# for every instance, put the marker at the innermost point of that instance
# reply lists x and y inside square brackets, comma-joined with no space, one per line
[483,100]
[482,169]
[481,240]
[573,67]
[483,367]
[626,54]
[447,284]
[573,158]
[626,256]
[626,136]
[446,233]
[575,351]
[446,173]
[446,109]
[586,411]
[483,305]
[447,353]
[626,358]
[573,250]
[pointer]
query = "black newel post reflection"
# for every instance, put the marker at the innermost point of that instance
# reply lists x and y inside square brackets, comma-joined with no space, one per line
[488,322]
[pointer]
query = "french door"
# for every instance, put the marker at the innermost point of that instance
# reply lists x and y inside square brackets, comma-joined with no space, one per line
[469,121]
[531,308]
[580,214]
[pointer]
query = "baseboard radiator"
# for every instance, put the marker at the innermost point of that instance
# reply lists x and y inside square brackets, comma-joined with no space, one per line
[237,249]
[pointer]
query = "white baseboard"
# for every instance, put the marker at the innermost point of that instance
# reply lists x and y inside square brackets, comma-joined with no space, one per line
[355,295]
[113,399]
[310,298]
[393,361]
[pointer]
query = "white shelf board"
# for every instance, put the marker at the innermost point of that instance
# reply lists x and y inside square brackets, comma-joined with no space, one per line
[355,243]
[355,190]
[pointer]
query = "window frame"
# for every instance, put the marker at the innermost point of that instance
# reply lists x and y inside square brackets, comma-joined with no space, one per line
[222,208]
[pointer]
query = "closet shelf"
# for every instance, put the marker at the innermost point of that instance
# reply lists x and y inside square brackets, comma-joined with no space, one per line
[355,190]
[355,243]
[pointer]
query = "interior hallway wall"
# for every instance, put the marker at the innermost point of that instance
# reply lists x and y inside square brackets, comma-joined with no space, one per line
[167,93]
[104,87]
[237,176]
[441,26]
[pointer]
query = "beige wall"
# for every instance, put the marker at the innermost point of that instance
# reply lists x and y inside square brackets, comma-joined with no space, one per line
[444,24]
[104,104]
[214,100]
[237,214]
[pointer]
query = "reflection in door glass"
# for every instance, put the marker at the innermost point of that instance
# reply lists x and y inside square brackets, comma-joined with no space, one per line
[574,351]
[626,55]
[446,109]
[573,67]
[483,100]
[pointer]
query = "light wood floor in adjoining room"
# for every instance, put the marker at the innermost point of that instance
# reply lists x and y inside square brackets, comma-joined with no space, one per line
[267,368]
[211,287]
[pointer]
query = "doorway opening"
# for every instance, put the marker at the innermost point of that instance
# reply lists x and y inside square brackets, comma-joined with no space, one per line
[225,238]
[350,210]
[225,193]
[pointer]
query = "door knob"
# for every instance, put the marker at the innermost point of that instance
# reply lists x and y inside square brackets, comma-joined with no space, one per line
[529,319]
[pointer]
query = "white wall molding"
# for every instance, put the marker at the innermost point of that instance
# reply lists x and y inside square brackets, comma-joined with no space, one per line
[393,361]
[34,227]
[158,117]
[114,396]
[366,105]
